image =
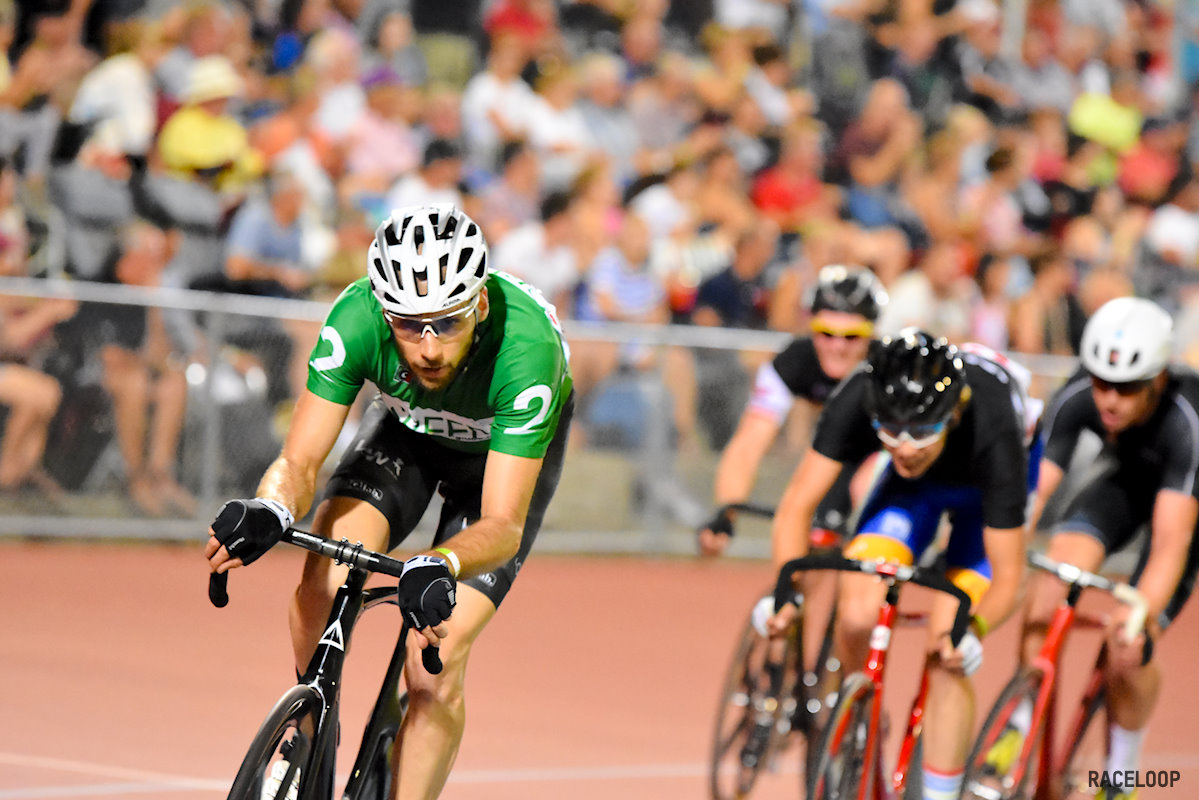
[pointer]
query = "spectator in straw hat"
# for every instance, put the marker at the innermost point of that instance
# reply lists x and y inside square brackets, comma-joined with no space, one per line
[202,140]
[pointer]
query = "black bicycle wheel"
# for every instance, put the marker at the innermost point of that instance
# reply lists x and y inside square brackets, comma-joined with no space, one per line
[818,692]
[1086,749]
[757,708]
[995,769]
[281,756]
[844,766]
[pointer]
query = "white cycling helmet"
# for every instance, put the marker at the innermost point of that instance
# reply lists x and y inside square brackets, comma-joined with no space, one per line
[1127,339]
[426,260]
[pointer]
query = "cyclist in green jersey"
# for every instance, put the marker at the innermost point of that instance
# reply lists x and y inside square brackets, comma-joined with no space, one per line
[474,402]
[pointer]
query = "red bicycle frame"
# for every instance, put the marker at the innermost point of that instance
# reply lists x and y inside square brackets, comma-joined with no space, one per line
[894,575]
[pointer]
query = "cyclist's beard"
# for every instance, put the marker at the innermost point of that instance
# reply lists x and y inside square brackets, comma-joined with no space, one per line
[433,376]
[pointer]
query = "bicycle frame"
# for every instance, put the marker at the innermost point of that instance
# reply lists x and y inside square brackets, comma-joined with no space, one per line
[1042,730]
[324,670]
[894,575]
[876,661]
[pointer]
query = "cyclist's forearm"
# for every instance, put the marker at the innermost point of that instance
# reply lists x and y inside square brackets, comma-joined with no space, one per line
[486,545]
[738,468]
[292,484]
[1047,484]
[1005,552]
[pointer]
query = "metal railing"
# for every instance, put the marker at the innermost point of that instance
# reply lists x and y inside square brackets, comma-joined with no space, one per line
[663,495]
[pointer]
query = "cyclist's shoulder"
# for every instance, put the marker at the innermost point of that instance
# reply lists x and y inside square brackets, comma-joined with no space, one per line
[356,313]
[799,367]
[525,314]
[1183,384]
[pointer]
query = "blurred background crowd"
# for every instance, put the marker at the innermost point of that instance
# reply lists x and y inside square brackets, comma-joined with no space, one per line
[1004,167]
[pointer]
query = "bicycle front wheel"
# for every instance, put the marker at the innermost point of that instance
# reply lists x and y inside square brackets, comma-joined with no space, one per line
[757,707]
[845,761]
[996,768]
[1086,749]
[280,762]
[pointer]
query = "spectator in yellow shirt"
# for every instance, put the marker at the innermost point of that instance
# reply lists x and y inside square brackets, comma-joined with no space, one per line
[202,140]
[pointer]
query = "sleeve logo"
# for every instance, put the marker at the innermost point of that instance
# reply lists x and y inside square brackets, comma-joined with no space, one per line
[336,358]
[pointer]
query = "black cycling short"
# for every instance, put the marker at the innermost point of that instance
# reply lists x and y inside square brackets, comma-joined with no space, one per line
[397,470]
[1112,508]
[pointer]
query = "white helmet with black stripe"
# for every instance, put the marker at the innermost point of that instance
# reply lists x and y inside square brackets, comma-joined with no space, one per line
[426,260]
[1128,339]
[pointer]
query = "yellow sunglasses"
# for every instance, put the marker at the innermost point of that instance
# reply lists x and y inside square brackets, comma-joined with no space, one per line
[863,330]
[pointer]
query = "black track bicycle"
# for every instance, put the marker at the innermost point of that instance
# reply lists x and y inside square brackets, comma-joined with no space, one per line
[292,757]
[770,696]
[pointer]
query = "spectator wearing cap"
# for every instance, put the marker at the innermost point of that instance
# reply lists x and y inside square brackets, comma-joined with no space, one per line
[201,140]
[542,252]
[496,103]
[530,21]
[381,147]
[435,182]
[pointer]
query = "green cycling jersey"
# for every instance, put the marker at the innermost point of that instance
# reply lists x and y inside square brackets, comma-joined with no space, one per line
[507,395]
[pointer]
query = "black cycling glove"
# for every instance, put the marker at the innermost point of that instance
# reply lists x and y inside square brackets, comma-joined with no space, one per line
[721,522]
[248,528]
[426,592]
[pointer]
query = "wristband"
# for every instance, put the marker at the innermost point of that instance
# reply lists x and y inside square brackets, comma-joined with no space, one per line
[452,558]
[281,511]
[981,628]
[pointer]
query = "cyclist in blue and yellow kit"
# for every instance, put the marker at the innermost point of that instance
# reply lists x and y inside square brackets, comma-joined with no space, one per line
[954,430]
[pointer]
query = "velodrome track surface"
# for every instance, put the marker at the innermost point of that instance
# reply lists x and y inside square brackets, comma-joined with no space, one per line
[598,679]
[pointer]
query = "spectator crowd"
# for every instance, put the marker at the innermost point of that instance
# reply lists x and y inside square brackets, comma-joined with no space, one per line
[653,161]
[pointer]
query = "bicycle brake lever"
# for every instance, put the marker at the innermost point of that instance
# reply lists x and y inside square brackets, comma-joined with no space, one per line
[218,589]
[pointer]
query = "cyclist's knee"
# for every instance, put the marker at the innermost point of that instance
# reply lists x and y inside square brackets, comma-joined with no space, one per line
[446,689]
[857,607]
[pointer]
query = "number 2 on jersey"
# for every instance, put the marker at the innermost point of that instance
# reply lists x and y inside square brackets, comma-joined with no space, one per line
[540,393]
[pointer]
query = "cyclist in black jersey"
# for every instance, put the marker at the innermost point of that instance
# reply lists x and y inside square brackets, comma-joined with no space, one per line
[956,444]
[1146,412]
[845,305]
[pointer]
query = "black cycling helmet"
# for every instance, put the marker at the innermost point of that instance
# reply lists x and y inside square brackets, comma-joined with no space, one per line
[855,290]
[915,379]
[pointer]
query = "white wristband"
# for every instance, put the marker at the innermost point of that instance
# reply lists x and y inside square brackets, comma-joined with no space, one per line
[281,511]
[452,558]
